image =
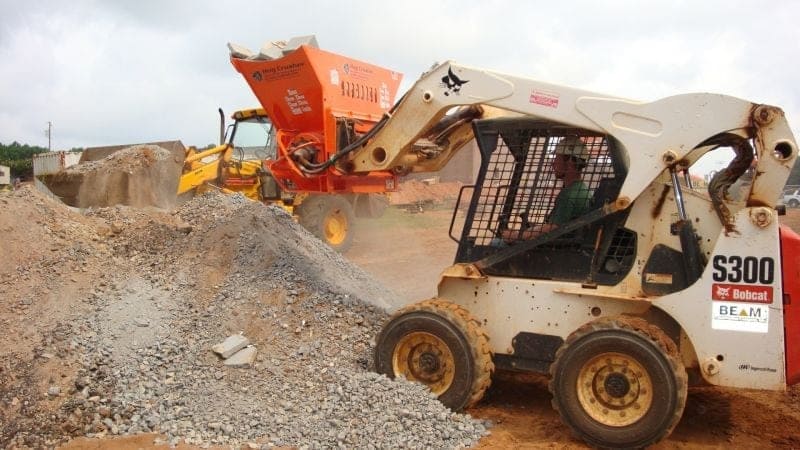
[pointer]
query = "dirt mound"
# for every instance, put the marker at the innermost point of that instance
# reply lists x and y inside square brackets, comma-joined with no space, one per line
[141,175]
[110,315]
[413,192]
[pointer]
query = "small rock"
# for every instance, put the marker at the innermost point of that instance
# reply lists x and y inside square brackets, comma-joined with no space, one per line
[242,358]
[81,383]
[104,411]
[231,345]
[184,228]
[54,391]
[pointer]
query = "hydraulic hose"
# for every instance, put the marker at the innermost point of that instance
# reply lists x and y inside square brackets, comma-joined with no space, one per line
[315,168]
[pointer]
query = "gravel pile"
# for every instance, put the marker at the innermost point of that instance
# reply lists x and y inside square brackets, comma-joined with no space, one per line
[128,159]
[139,176]
[173,285]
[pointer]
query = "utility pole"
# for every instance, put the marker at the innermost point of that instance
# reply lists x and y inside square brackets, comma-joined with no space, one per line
[49,133]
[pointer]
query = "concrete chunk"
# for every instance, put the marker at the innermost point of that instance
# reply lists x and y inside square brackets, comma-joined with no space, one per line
[231,345]
[242,358]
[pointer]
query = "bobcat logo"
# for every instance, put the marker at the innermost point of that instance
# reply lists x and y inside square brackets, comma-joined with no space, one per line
[452,82]
[723,292]
[257,75]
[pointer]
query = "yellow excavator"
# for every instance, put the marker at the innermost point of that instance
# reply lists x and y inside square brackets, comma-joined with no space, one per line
[241,165]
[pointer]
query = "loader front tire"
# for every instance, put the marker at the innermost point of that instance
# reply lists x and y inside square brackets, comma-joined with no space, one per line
[619,383]
[330,218]
[439,344]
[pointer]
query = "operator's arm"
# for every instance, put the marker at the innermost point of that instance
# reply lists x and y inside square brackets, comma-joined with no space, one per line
[528,233]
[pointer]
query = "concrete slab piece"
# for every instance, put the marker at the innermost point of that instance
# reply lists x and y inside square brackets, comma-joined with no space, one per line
[242,358]
[231,345]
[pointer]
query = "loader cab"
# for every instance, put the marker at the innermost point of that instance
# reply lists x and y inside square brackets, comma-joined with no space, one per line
[511,225]
[252,135]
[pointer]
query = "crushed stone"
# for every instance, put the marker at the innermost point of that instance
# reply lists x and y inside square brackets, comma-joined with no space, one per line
[128,343]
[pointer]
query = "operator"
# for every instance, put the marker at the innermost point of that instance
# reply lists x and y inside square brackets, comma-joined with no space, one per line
[570,159]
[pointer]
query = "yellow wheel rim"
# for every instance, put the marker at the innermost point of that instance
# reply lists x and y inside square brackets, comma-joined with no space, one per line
[424,358]
[614,389]
[335,227]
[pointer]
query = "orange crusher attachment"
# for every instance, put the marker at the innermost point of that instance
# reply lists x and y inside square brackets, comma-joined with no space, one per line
[320,103]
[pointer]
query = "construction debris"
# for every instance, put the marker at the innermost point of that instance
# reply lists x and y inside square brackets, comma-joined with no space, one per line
[418,195]
[231,345]
[242,358]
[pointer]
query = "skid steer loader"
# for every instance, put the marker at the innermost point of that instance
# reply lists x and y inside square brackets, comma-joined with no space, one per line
[649,284]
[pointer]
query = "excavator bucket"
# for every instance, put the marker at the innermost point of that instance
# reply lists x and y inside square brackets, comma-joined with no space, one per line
[140,175]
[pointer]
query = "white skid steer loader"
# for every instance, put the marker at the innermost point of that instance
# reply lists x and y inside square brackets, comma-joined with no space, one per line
[587,252]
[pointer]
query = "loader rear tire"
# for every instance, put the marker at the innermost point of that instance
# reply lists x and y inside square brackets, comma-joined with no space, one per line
[441,345]
[619,383]
[330,218]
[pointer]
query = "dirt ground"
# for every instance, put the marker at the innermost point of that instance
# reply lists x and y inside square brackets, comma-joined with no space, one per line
[407,251]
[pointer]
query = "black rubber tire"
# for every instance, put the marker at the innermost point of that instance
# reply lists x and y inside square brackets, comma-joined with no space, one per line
[314,210]
[793,203]
[462,334]
[640,341]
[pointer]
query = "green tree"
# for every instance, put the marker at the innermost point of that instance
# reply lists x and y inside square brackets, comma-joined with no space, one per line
[19,157]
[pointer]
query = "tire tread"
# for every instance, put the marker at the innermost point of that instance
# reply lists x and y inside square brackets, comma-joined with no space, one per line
[474,333]
[645,329]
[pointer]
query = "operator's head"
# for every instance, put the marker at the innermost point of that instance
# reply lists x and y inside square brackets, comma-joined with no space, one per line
[571,154]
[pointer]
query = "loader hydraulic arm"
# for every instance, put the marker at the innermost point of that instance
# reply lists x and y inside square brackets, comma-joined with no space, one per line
[195,172]
[432,121]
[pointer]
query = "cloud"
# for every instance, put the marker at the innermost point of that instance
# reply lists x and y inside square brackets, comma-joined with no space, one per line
[123,72]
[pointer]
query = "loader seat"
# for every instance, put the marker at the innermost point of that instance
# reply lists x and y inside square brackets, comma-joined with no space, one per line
[572,256]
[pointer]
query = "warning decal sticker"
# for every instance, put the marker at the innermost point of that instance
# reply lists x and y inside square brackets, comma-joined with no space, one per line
[548,99]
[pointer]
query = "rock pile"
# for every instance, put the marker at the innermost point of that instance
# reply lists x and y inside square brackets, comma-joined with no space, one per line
[125,348]
[141,175]
[416,192]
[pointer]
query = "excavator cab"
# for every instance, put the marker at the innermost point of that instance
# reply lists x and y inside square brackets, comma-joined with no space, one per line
[252,135]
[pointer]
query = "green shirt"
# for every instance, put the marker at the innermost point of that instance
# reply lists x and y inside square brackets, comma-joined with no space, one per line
[571,202]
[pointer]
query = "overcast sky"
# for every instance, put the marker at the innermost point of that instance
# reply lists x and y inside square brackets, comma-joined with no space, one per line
[106,72]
